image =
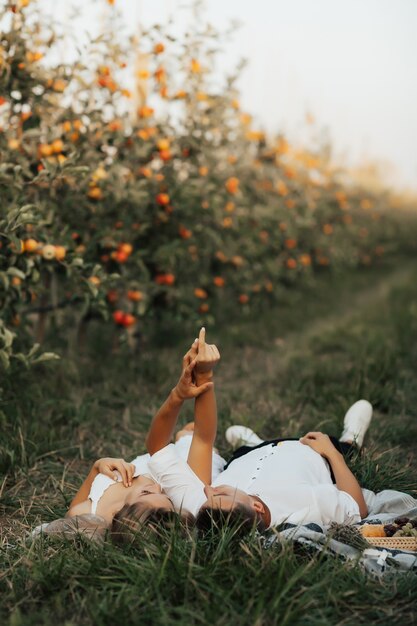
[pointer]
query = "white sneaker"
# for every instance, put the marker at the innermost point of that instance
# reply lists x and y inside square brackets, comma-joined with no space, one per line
[356,422]
[242,436]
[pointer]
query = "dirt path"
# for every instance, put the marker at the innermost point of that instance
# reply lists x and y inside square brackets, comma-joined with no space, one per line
[365,298]
[348,306]
[251,376]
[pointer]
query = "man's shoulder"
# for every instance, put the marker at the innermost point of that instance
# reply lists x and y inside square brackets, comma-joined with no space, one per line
[168,451]
[167,462]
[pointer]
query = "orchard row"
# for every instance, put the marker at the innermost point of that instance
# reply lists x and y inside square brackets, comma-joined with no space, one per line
[125,204]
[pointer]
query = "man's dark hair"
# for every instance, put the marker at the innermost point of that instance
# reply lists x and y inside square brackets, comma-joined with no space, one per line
[241,518]
[132,518]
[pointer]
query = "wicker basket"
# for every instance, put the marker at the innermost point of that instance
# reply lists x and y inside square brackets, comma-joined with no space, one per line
[394,543]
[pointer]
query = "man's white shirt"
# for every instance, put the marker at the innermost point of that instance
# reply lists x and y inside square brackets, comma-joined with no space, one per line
[290,478]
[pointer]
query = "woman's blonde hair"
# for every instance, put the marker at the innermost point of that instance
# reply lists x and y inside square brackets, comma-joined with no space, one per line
[90,526]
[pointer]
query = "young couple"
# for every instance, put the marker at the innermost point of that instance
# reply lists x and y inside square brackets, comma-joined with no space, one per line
[264,484]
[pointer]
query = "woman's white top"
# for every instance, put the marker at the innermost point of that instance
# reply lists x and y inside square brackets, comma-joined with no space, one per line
[102,482]
[290,478]
[182,447]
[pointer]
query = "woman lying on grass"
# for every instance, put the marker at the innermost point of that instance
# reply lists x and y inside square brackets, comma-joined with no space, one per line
[278,481]
[124,494]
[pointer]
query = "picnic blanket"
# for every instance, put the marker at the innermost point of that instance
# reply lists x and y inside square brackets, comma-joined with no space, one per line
[383,508]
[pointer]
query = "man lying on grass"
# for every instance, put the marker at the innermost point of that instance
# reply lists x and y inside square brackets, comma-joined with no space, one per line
[294,481]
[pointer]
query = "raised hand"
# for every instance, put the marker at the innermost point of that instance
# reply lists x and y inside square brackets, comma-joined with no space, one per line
[110,467]
[208,356]
[187,387]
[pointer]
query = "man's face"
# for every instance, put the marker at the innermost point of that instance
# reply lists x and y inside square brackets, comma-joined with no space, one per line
[225,498]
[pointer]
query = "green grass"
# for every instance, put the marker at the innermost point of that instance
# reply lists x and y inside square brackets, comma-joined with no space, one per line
[293,369]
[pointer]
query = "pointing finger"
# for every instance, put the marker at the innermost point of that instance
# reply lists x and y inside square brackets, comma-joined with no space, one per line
[202,338]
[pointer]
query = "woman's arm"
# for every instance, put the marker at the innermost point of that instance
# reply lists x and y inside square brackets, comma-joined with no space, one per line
[163,424]
[200,456]
[84,490]
[109,467]
[345,480]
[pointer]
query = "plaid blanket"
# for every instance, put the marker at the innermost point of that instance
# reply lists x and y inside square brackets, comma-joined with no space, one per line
[383,508]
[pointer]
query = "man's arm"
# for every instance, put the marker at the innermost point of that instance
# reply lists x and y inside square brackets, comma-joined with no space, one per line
[345,480]
[205,413]
[163,424]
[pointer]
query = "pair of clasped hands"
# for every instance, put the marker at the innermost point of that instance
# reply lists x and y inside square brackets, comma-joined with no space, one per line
[196,378]
[197,368]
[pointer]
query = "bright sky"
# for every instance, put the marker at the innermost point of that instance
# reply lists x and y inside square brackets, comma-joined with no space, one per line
[351,63]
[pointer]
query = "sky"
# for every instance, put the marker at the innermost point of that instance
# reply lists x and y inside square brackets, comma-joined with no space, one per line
[352,64]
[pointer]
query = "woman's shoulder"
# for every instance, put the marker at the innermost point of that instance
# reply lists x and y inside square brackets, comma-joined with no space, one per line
[80,509]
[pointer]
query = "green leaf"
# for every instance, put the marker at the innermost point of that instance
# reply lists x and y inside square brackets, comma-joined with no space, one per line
[14,271]
[77,169]
[7,337]
[27,207]
[15,240]
[34,349]
[32,132]
[4,359]
[22,358]
[4,279]
[93,289]
[46,356]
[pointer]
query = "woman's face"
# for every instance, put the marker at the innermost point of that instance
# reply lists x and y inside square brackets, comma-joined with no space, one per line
[150,493]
